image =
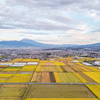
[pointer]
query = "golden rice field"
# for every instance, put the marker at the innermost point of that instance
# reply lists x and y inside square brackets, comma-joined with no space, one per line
[15,60]
[4,66]
[59,68]
[59,64]
[62,72]
[12,92]
[57,77]
[29,60]
[59,91]
[11,69]
[38,69]
[93,75]
[95,89]
[61,99]
[61,79]
[20,78]
[42,64]
[28,68]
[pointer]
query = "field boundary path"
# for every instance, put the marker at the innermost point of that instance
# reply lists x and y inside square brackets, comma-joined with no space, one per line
[51,83]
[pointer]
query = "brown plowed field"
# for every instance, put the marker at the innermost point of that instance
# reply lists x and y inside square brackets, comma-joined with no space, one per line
[45,77]
[52,77]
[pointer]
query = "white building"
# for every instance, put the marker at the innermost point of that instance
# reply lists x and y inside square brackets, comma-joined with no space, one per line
[75,61]
[19,64]
[32,63]
[87,64]
[97,62]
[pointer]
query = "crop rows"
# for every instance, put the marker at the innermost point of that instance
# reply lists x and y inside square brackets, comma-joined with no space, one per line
[61,70]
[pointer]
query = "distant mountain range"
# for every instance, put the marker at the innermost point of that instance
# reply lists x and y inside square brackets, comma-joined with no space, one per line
[31,43]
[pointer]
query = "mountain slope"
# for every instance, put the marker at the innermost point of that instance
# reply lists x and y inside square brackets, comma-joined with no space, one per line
[15,44]
[45,45]
[37,43]
[96,44]
[31,43]
[24,43]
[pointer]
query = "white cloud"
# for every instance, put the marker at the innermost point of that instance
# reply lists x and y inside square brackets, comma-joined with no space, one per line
[50,20]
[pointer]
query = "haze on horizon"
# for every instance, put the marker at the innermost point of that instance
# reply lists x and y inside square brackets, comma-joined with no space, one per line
[51,21]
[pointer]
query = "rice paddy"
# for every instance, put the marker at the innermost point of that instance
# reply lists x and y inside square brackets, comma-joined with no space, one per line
[59,91]
[12,92]
[61,79]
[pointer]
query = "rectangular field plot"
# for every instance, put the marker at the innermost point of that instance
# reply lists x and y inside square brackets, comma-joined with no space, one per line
[94,75]
[59,64]
[61,99]
[81,68]
[49,69]
[68,78]
[59,77]
[1,69]
[4,66]
[63,68]
[69,69]
[12,92]
[16,67]
[41,63]
[15,60]
[92,69]
[52,77]
[49,64]
[36,77]
[45,78]
[25,72]
[12,69]
[29,60]
[59,91]
[29,68]
[38,69]
[84,78]
[95,89]
[3,80]
[20,78]
[8,72]
[5,77]
[59,69]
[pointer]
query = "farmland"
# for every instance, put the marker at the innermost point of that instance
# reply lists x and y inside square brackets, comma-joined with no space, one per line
[60,79]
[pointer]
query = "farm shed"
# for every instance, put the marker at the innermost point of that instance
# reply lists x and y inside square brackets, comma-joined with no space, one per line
[75,61]
[87,64]
[19,64]
[32,63]
[5,63]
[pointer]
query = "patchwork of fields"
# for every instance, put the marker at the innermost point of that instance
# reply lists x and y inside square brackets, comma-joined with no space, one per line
[61,79]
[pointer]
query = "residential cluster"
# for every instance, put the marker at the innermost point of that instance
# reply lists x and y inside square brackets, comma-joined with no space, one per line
[12,53]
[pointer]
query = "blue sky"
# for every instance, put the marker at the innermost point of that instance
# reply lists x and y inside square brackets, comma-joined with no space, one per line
[51,21]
